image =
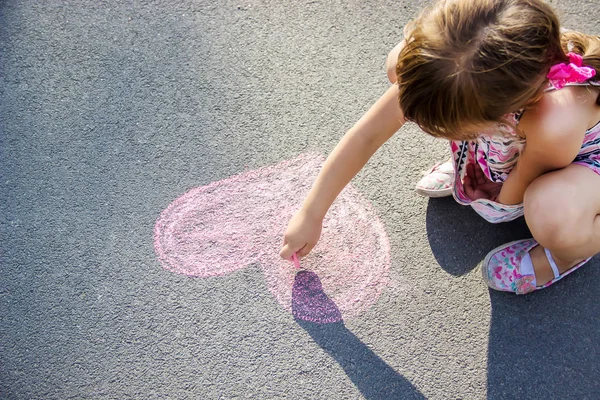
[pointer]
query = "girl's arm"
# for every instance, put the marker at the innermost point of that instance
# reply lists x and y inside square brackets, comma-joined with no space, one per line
[528,168]
[554,129]
[353,151]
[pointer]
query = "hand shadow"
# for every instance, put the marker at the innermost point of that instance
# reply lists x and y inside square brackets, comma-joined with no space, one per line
[370,374]
[460,239]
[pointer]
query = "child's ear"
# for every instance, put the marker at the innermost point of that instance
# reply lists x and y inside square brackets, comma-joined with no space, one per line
[392,61]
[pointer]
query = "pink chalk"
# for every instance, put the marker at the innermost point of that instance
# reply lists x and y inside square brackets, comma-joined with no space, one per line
[296,261]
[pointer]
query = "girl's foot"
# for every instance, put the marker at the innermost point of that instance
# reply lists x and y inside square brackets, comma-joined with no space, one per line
[438,181]
[523,266]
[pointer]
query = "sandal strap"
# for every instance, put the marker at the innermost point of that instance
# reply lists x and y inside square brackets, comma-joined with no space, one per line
[432,169]
[552,263]
[443,168]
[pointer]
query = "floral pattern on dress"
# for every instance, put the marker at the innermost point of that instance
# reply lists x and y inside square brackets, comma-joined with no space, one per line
[496,152]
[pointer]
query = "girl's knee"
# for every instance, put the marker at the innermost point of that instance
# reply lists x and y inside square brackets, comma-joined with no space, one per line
[552,217]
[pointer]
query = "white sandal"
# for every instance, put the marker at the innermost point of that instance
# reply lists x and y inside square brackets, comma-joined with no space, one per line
[438,181]
[508,268]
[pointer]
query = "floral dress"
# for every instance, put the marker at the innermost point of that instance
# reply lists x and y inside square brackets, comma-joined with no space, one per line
[497,153]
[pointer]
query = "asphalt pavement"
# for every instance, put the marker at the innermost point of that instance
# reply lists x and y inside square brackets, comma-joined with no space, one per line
[110,111]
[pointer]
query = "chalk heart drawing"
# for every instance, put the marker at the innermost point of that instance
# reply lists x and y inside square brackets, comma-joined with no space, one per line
[216,229]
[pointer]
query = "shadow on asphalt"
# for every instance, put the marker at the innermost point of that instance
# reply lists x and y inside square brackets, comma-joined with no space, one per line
[460,239]
[370,374]
[543,345]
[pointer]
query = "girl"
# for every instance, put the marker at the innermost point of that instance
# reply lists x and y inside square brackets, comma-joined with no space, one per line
[520,104]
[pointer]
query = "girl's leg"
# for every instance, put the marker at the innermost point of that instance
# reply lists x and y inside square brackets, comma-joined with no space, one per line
[562,211]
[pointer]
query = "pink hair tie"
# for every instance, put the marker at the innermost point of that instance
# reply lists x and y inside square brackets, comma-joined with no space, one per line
[572,72]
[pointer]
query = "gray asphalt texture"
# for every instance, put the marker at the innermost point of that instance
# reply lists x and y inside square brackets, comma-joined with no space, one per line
[111,111]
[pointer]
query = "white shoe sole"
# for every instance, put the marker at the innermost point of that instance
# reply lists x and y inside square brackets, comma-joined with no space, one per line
[434,193]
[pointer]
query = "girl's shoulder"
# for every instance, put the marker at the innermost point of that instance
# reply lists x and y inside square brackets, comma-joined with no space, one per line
[560,115]
[555,126]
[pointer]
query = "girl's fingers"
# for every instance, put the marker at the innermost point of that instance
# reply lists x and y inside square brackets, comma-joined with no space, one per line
[477,185]
[471,170]
[287,251]
[475,174]
[305,250]
[481,178]
[469,191]
[481,194]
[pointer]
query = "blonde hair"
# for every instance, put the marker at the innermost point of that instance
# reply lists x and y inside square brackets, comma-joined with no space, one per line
[467,63]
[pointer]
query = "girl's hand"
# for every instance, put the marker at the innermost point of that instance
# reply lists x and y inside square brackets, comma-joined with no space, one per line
[478,186]
[302,234]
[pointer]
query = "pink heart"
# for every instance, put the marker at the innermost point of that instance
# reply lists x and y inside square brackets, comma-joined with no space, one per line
[227,225]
